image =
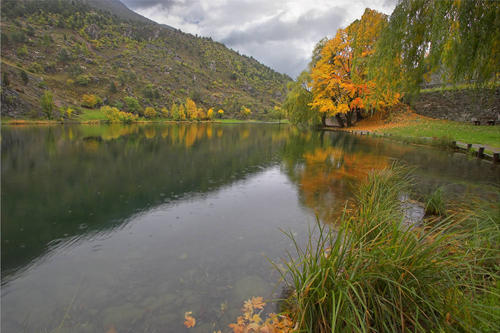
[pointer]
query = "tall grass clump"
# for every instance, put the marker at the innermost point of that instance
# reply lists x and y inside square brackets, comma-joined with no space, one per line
[375,274]
[435,203]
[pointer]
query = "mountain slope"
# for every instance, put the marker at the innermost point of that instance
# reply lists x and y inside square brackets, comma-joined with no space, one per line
[117,8]
[72,49]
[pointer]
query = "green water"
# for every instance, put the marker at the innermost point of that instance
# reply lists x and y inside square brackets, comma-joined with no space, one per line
[131,226]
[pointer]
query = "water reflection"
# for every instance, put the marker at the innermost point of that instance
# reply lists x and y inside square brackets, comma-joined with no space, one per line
[326,167]
[138,224]
[63,181]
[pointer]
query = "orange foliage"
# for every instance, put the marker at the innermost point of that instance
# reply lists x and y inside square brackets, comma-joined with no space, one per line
[340,82]
[189,320]
[251,320]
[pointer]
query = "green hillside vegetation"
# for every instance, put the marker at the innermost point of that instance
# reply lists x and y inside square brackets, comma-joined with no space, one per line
[72,49]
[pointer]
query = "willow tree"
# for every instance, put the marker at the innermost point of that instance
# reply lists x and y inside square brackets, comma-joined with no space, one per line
[457,39]
[340,81]
[298,101]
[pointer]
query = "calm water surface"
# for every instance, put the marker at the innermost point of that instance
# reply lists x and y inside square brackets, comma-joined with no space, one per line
[131,226]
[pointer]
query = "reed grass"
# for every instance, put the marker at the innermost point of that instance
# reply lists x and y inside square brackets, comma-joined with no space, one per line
[374,274]
[435,203]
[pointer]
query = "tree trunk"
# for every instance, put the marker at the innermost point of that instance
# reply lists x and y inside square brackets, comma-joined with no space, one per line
[323,119]
[359,116]
[340,120]
[348,117]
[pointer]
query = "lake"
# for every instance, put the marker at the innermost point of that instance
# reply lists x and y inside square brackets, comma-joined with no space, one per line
[129,227]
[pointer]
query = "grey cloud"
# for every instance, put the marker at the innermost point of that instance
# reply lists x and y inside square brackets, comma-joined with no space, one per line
[275,29]
[279,55]
[275,41]
[391,3]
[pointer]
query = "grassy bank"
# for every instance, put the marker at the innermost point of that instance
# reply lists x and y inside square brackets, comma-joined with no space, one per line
[375,274]
[450,130]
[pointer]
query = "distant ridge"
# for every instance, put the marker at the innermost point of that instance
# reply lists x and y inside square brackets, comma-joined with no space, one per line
[117,8]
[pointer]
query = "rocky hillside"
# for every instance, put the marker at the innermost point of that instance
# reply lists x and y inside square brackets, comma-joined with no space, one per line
[72,48]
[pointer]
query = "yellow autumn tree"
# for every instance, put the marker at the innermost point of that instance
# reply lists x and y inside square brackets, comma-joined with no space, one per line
[164,112]
[220,113]
[365,35]
[191,109]
[182,112]
[201,115]
[91,101]
[150,112]
[210,114]
[340,83]
[245,112]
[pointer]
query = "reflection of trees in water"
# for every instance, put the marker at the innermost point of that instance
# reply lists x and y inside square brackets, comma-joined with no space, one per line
[327,165]
[64,181]
[326,169]
[328,175]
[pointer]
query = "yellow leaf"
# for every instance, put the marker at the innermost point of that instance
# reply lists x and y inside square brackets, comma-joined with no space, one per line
[248,306]
[256,318]
[189,320]
[258,302]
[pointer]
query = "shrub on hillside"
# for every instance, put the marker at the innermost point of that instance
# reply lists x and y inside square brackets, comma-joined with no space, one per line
[112,87]
[132,105]
[64,55]
[35,68]
[164,112]
[47,104]
[149,112]
[245,112]
[22,51]
[91,101]
[151,92]
[24,77]
[82,80]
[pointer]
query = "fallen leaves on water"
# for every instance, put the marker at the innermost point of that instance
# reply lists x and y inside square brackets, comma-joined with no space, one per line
[254,303]
[251,320]
[189,319]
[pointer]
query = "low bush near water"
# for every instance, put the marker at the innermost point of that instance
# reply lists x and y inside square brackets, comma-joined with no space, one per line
[114,115]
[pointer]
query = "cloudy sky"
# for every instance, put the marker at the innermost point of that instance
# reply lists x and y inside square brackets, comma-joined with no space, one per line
[278,33]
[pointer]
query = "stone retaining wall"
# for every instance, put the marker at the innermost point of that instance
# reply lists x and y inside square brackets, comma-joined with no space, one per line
[460,105]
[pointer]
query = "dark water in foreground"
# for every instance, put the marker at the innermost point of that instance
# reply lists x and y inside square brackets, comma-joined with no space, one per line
[131,226]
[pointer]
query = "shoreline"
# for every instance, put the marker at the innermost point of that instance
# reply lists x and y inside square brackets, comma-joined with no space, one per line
[481,151]
[22,122]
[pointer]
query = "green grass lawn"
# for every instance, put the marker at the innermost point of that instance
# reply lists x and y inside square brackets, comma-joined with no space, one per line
[467,133]
[89,115]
